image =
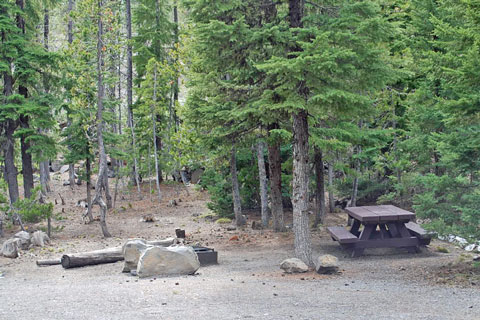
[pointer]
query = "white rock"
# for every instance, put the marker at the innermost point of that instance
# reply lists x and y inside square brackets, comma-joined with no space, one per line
[293,265]
[10,248]
[451,238]
[161,261]
[461,241]
[442,238]
[24,238]
[39,239]
[326,264]
[132,250]
[64,168]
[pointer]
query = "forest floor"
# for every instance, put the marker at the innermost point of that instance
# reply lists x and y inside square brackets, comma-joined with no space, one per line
[246,284]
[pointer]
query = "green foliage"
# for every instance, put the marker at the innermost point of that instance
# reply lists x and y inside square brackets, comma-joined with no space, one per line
[30,209]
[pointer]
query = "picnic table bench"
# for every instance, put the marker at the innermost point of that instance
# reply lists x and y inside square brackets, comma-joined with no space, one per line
[383,226]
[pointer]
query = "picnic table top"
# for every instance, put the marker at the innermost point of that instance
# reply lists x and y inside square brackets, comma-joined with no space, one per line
[384,213]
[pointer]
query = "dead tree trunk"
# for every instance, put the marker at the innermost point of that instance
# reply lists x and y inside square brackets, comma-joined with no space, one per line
[320,188]
[237,204]
[262,175]
[135,178]
[92,258]
[275,170]
[88,169]
[154,125]
[102,170]
[331,200]
[44,167]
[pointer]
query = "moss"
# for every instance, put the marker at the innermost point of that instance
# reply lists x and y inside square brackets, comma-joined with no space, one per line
[442,250]
[223,220]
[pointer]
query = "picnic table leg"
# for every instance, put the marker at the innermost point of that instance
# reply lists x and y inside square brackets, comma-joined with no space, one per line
[404,233]
[392,227]
[364,235]
[355,228]
[383,231]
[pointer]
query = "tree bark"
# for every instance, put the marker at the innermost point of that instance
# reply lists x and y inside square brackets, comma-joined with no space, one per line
[154,125]
[262,175]
[302,243]
[275,170]
[102,171]
[331,200]
[10,169]
[44,167]
[88,169]
[135,178]
[82,259]
[27,163]
[320,188]
[237,204]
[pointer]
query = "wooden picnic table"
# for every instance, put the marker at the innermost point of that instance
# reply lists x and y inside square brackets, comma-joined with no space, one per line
[383,226]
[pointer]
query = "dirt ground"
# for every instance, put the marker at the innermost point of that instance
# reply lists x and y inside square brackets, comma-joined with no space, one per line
[246,284]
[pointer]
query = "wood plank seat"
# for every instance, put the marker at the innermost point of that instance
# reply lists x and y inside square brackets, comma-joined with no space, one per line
[417,231]
[342,235]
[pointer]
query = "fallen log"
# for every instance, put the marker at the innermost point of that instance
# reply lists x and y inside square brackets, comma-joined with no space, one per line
[82,259]
[49,262]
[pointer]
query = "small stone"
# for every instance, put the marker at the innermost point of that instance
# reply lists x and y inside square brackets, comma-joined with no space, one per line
[231,228]
[327,264]
[293,265]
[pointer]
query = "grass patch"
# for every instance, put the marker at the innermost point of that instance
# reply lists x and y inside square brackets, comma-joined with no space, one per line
[223,221]
[442,250]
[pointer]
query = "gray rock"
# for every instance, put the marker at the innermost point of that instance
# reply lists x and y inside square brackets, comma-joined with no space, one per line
[470,247]
[160,261]
[56,165]
[132,250]
[196,174]
[24,238]
[327,264]
[10,248]
[39,239]
[293,265]
[64,168]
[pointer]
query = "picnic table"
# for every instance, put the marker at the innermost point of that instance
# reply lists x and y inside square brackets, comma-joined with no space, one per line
[383,226]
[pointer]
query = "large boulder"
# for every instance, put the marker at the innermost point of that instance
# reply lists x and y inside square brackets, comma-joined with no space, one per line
[24,239]
[161,261]
[10,248]
[327,264]
[39,239]
[132,250]
[293,265]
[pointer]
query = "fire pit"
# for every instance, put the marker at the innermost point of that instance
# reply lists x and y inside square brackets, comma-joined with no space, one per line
[206,256]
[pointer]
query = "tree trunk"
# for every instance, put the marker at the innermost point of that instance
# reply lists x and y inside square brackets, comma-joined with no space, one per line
[88,169]
[70,22]
[331,200]
[154,124]
[102,168]
[82,259]
[237,204]
[302,243]
[44,167]
[275,170]
[27,164]
[262,175]
[106,188]
[320,188]
[10,169]
[135,179]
